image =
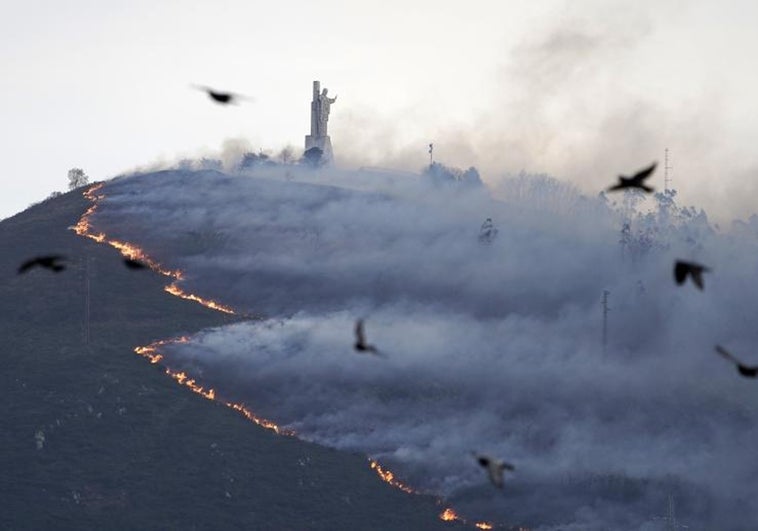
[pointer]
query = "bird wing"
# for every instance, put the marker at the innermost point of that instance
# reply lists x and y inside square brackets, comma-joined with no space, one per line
[645,173]
[697,277]
[680,271]
[360,338]
[204,88]
[496,474]
[26,266]
[134,264]
[726,354]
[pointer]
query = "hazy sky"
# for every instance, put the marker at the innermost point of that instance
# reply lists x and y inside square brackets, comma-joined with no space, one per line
[579,90]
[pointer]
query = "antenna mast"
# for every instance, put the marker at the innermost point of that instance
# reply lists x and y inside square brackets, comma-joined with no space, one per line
[670,518]
[431,154]
[606,309]
[666,168]
[86,300]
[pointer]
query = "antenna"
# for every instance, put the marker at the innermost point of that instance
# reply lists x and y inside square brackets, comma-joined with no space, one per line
[666,168]
[86,300]
[431,154]
[606,309]
[670,518]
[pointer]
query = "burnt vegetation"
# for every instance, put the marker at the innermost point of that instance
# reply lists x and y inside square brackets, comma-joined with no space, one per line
[94,437]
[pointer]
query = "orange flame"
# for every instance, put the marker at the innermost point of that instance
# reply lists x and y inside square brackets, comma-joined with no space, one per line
[448,515]
[173,289]
[84,228]
[151,352]
[389,477]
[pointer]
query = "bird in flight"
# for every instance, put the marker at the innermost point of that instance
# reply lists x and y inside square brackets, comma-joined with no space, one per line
[695,271]
[51,262]
[360,339]
[745,370]
[224,98]
[636,180]
[494,468]
[131,263]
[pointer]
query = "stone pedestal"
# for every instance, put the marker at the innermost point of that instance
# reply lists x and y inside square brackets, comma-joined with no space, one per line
[324,143]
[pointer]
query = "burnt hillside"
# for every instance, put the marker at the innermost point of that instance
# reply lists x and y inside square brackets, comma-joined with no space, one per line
[120,444]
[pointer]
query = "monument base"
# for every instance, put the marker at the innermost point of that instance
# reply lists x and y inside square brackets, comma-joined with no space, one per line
[324,143]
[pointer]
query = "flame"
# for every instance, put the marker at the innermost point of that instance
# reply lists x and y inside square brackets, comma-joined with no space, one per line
[448,515]
[151,353]
[129,250]
[174,289]
[389,477]
[84,228]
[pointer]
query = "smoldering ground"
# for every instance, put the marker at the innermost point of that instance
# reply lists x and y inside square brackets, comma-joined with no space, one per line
[489,347]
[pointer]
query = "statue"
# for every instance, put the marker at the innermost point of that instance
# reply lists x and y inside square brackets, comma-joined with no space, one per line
[320,107]
[324,105]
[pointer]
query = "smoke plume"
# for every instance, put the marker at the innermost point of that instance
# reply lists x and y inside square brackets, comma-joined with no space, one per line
[486,345]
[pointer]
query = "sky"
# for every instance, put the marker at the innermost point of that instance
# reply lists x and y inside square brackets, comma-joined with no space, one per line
[493,345]
[580,90]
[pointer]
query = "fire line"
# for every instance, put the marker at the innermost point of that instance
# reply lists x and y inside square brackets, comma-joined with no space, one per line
[151,351]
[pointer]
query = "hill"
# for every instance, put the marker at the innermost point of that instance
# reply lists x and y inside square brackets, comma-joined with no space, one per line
[94,437]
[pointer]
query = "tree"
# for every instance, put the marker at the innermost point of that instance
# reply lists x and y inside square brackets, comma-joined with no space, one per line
[313,157]
[252,160]
[286,155]
[442,175]
[77,178]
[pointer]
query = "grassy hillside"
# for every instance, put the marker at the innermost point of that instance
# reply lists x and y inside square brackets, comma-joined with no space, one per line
[124,446]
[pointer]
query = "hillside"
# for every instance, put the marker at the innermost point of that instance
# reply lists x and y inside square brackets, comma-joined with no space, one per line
[124,446]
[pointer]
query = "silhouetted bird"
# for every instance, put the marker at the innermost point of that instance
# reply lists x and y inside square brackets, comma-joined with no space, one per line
[360,339]
[224,98]
[635,181]
[694,270]
[134,264]
[48,262]
[494,468]
[745,370]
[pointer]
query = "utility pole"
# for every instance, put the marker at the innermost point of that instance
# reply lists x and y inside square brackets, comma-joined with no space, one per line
[666,168]
[606,309]
[86,300]
[670,518]
[431,154]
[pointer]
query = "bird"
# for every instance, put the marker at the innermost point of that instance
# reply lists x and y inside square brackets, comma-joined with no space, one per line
[48,262]
[745,370]
[131,263]
[635,181]
[494,467]
[693,269]
[224,98]
[360,339]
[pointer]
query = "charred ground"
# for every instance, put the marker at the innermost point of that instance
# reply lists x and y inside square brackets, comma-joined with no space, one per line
[124,446]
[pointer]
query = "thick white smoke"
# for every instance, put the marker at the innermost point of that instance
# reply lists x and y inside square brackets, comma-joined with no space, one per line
[494,347]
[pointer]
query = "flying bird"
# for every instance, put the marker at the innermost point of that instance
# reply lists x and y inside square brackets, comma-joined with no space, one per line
[360,339]
[745,370]
[494,468]
[636,180]
[134,264]
[695,271]
[51,262]
[224,98]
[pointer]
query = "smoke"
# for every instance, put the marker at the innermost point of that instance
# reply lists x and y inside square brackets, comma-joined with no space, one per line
[488,347]
[588,93]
